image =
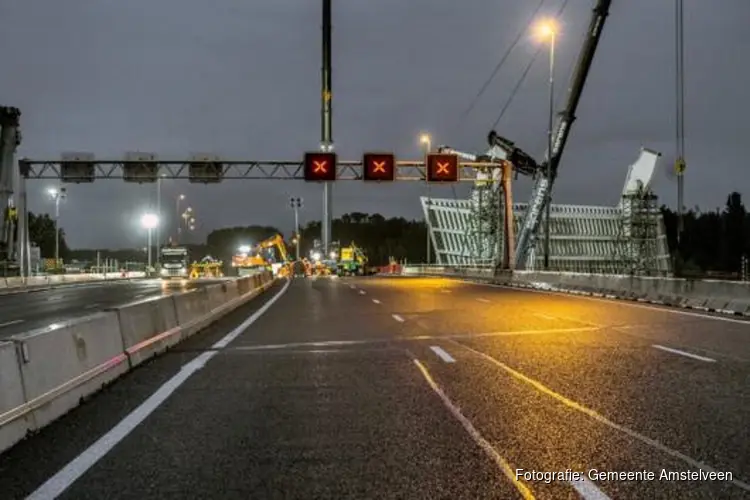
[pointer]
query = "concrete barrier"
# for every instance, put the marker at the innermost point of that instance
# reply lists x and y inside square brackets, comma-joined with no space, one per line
[45,373]
[148,328]
[12,401]
[60,366]
[729,297]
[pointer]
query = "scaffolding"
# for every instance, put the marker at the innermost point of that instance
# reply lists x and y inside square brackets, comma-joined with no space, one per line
[584,238]
[639,235]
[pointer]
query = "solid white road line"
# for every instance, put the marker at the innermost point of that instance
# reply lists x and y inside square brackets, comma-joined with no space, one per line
[13,322]
[502,464]
[398,318]
[362,292]
[442,354]
[480,299]
[69,474]
[376,301]
[683,353]
[588,490]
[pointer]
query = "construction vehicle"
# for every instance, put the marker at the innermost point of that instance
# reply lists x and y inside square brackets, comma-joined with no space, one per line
[174,262]
[544,173]
[207,267]
[269,254]
[324,265]
[352,261]
[247,260]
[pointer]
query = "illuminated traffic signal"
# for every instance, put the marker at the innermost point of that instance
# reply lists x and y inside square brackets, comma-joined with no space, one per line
[320,167]
[442,167]
[379,167]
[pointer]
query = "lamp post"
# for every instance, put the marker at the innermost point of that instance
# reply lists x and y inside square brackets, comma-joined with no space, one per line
[296,203]
[426,142]
[57,195]
[158,212]
[177,213]
[547,30]
[150,222]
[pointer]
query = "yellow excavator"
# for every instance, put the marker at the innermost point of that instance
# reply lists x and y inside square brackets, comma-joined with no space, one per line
[264,256]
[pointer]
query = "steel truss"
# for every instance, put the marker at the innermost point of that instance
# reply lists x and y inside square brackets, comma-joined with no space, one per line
[230,170]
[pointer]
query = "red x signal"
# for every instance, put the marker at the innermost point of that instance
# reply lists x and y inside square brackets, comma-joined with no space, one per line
[442,167]
[379,167]
[320,167]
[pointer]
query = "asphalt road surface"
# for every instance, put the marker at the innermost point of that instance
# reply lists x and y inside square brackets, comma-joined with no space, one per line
[24,311]
[410,389]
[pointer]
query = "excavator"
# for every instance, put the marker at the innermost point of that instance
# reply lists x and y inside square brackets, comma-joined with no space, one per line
[544,173]
[264,256]
[246,260]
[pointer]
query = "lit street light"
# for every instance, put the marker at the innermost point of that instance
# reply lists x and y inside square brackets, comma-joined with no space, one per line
[150,222]
[57,195]
[426,141]
[547,30]
[177,212]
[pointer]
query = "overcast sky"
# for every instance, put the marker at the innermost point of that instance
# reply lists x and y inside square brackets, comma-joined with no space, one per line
[242,78]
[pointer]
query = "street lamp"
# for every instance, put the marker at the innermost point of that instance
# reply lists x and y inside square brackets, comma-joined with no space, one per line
[57,195]
[296,203]
[426,142]
[150,222]
[158,211]
[546,30]
[177,212]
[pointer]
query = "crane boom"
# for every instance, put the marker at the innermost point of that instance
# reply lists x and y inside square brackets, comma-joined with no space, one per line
[543,184]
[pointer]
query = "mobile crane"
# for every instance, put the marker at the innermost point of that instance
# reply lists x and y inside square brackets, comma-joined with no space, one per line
[546,172]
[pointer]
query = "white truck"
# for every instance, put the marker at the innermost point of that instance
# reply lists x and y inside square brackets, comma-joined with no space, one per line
[175,263]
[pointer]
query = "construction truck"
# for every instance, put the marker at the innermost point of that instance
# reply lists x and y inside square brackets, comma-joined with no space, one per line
[207,267]
[352,261]
[246,261]
[324,265]
[174,262]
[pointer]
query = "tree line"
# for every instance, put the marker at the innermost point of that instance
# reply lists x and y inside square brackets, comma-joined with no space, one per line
[711,241]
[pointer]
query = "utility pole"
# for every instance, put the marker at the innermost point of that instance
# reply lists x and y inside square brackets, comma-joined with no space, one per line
[296,203]
[550,139]
[178,214]
[426,141]
[158,214]
[326,121]
[57,195]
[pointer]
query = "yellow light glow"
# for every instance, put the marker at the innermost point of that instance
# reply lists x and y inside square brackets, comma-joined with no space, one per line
[424,139]
[545,29]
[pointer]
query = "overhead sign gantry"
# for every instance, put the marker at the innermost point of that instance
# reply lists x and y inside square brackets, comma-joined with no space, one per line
[317,166]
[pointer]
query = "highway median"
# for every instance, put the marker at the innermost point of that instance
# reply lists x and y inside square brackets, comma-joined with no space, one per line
[45,373]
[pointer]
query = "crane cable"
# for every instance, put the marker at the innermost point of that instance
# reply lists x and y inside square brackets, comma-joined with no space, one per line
[525,74]
[679,111]
[499,65]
